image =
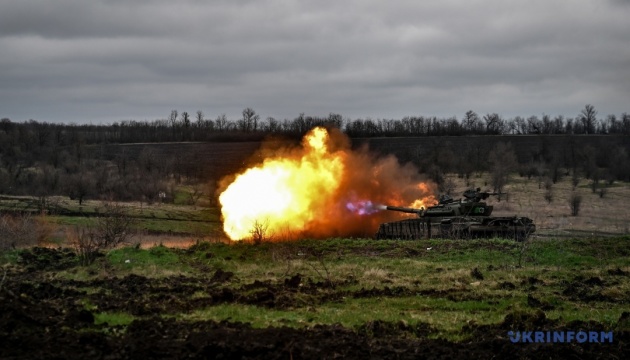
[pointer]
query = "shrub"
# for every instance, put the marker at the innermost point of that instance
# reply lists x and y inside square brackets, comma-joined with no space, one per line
[111,230]
[574,202]
[17,230]
[259,232]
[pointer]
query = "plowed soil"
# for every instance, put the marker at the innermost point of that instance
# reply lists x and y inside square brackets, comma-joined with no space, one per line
[48,319]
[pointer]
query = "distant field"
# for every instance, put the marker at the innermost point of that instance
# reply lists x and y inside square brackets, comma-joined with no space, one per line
[598,216]
[181,224]
[169,224]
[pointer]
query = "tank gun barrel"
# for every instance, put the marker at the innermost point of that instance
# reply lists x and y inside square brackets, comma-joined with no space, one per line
[478,195]
[404,209]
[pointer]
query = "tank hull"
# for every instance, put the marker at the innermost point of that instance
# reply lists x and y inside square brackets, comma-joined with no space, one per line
[460,227]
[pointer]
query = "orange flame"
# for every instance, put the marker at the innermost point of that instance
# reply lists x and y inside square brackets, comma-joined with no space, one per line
[305,191]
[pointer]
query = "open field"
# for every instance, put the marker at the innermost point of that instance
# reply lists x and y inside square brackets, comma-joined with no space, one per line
[525,197]
[318,299]
[176,224]
[181,224]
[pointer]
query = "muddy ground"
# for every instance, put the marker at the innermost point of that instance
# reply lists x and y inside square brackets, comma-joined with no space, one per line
[48,318]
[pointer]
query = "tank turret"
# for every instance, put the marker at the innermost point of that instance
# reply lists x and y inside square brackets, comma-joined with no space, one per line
[468,217]
[471,204]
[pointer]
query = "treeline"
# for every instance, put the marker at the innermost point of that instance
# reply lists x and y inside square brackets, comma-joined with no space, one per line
[492,124]
[44,159]
[184,127]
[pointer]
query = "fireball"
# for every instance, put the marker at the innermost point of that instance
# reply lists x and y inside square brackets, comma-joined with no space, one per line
[320,189]
[283,193]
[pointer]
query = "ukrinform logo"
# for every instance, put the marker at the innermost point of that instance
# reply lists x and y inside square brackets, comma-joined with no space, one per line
[560,336]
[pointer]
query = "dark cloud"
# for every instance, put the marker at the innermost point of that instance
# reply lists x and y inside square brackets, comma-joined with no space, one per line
[75,60]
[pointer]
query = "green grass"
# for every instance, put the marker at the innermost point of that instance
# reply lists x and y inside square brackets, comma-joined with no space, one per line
[10,256]
[112,319]
[440,288]
[443,315]
[452,296]
[134,258]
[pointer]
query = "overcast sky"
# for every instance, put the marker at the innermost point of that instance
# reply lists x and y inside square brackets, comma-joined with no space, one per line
[110,60]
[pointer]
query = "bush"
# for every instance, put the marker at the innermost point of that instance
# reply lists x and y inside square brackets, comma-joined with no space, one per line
[109,231]
[259,232]
[548,190]
[23,230]
[575,201]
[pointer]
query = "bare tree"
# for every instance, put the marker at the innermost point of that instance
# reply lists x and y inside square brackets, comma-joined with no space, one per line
[185,119]
[548,190]
[588,119]
[494,124]
[471,122]
[199,118]
[111,230]
[575,179]
[259,232]
[575,201]
[173,122]
[173,118]
[115,228]
[80,185]
[250,120]
[503,161]
[272,125]
[221,122]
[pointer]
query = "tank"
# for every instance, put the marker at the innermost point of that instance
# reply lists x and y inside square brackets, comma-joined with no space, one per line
[465,218]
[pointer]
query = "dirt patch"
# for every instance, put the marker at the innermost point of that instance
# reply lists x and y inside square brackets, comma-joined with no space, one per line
[536,303]
[586,290]
[618,272]
[506,285]
[382,329]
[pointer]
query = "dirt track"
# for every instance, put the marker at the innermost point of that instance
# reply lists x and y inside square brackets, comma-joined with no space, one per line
[42,318]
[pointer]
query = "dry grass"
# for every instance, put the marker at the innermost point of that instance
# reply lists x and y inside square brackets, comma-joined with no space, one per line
[375,276]
[25,230]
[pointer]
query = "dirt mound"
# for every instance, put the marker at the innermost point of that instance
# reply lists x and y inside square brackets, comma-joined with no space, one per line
[39,258]
[506,285]
[586,290]
[618,272]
